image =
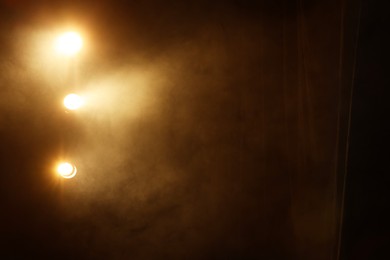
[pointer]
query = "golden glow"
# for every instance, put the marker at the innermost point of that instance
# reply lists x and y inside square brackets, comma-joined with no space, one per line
[69,43]
[66,170]
[73,101]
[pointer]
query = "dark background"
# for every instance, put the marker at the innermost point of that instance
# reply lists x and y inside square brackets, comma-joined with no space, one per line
[215,130]
[366,228]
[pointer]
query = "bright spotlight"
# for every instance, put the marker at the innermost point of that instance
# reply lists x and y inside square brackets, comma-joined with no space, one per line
[66,170]
[69,43]
[73,101]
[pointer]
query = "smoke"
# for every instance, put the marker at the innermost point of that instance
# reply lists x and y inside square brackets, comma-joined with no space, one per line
[158,155]
[155,145]
[181,146]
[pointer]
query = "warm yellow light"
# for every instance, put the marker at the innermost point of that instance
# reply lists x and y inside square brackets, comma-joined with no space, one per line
[73,101]
[69,43]
[66,170]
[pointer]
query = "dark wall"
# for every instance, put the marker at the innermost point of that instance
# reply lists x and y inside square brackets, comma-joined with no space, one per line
[365,231]
[215,129]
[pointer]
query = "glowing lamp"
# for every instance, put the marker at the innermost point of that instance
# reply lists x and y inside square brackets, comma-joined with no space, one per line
[69,43]
[66,170]
[73,101]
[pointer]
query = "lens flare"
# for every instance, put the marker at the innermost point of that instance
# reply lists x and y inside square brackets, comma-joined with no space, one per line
[69,43]
[73,101]
[66,170]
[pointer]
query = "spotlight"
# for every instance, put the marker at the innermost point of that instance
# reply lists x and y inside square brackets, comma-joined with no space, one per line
[66,170]
[73,101]
[69,43]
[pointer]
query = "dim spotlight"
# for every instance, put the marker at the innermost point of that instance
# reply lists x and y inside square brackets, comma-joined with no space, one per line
[73,101]
[69,43]
[66,170]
